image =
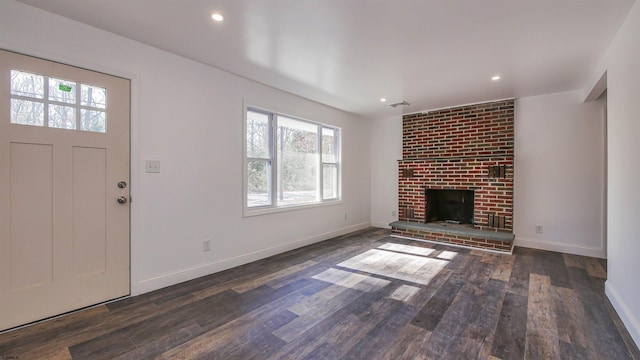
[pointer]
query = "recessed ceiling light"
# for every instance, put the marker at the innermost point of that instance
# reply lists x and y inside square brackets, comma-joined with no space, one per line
[495,78]
[383,99]
[217,17]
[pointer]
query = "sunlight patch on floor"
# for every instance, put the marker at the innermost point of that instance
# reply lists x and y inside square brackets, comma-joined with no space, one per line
[351,280]
[394,261]
[413,250]
[404,293]
[448,255]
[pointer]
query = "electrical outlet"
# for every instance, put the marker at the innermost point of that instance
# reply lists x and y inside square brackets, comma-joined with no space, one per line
[206,245]
[152,166]
[538,229]
[345,216]
[394,213]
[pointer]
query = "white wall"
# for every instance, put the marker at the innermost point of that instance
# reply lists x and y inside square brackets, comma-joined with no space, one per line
[623,133]
[189,116]
[386,150]
[559,173]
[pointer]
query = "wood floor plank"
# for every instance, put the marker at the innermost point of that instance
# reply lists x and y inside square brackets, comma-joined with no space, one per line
[574,260]
[548,263]
[347,247]
[49,331]
[59,353]
[426,292]
[570,321]
[502,265]
[478,336]
[389,264]
[339,339]
[438,298]
[255,343]
[542,332]
[448,336]
[122,340]
[332,275]
[247,302]
[603,263]
[412,266]
[228,339]
[216,288]
[270,278]
[431,314]
[511,330]
[223,340]
[411,343]
[351,279]
[462,256]
[208,313]
[554,266]
[573,351]
[377,338]
[523,264]
[348,326]
[600,328]
[407,249]
[595,269]
[313,310]
[72,333]
[359,295]
[319,300]
[405,293]
[624,333]
[152,349]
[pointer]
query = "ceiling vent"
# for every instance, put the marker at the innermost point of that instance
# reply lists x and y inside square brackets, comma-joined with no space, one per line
[403,103]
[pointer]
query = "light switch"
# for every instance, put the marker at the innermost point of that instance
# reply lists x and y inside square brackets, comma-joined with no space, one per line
[152,166]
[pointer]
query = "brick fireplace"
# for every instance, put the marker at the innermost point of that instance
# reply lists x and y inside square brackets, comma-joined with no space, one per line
[455,179]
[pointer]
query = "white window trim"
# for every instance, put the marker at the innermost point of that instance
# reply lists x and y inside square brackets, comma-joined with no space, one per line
[270,209]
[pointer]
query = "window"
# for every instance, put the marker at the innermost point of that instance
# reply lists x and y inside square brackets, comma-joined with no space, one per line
[39,100]
[290,161]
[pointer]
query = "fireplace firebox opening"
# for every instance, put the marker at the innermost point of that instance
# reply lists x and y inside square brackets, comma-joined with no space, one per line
[449,206]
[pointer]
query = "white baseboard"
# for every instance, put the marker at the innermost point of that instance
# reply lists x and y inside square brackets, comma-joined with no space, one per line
[187,274]
[563,248]
[629,319]
[382,225]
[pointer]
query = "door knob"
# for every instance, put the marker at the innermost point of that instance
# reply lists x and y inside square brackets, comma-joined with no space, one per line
[122,184]
[122,200]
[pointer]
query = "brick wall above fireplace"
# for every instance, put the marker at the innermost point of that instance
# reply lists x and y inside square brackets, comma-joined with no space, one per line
[467,148]
[468,131]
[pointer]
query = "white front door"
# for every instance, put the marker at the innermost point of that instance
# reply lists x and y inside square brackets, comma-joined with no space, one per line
[64,164]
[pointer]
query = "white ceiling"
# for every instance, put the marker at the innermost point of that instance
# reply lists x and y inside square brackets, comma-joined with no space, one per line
[350,53]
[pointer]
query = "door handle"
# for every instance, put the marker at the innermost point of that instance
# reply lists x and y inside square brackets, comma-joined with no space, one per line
[122,200]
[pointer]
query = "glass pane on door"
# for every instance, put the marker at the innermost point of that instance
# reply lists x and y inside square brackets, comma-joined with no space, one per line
[62,91]
[25,112]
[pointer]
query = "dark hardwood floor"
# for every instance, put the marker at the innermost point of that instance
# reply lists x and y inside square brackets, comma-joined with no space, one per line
[364,295]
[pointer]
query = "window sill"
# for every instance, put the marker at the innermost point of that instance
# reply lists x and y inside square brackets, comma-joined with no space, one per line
[249,212]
